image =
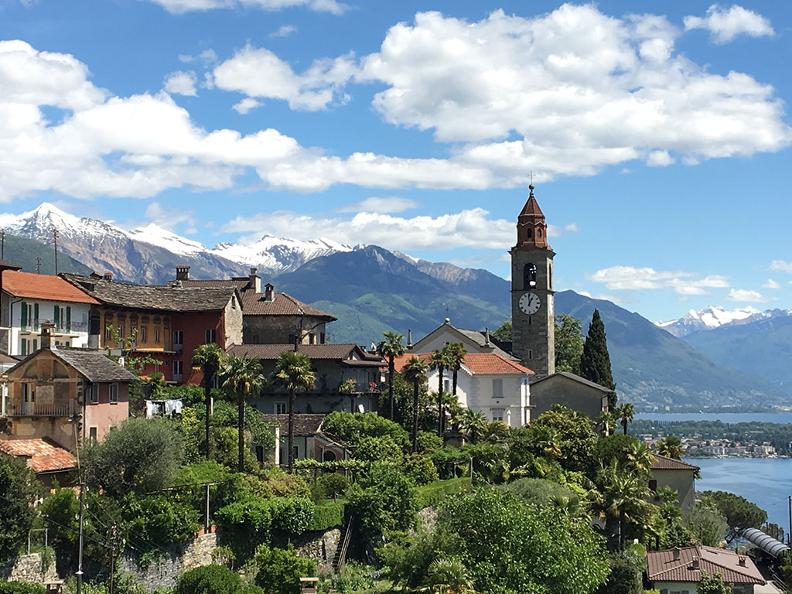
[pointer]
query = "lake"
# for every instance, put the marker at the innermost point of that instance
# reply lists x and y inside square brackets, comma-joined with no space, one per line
[765,481]
[726,417]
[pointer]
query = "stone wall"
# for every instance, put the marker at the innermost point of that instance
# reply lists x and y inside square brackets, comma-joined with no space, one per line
[31,568]
[163,572]
[320,546]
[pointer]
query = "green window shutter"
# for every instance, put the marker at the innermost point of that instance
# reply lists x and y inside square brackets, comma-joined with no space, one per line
[68,318]
[57,316]
[35,315]
[24,347]
[23,322]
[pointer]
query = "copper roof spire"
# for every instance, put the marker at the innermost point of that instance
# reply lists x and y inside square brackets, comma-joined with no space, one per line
[531,225]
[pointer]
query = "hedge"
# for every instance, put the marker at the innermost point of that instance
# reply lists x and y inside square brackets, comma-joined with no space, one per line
[20,588]
[327,515]
[433,493]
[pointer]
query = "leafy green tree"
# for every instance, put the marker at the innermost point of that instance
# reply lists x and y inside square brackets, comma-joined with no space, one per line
[738,511]
[415,373]
[568,343]
[625,576]
[503,332]
[385,503]
[293,371]
[373,449]
[607,422]
[623,449]
[713,584]
[241,377]
[622,496]
[448,575]
[19,490]
[671,447]
[595,364]
[440,360]
[706,526]
[280,570]
[544,493]
[575,434]
[209,357]
[60,512]
[625,413]
[140,455]
[351,428]
[213,579]
[391,347]
[330,485]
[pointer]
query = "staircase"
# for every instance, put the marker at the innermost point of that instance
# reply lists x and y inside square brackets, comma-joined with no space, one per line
[341,552]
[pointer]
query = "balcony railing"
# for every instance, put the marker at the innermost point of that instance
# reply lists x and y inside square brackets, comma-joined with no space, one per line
[40,409]
[61,328]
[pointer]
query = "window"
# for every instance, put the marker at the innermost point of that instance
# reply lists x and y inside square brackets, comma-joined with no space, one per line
[35,345]
[177,368]
[26,395]
[143,334]
[498,414]
[157,334]
[24,347]
[68,318]
[530,353]
[497,388]
[280,408]
[653,485]
[108,335]
[121,330]
[113,393]
[446,385]
[329,456]
[529,276]
[178,337]
[93,394]
[260,454]
[93,435]
[35,315]
[322,338]
[210,336]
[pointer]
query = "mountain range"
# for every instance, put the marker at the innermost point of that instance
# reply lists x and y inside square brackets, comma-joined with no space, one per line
[713,358]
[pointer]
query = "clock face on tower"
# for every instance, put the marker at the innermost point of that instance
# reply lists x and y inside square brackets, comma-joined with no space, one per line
[530,303]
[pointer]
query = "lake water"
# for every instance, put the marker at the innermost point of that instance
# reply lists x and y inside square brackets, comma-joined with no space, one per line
[767,482]
[763,417]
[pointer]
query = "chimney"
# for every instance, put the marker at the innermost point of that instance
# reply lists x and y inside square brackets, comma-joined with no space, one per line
[741,561]
[486,337]
[269,292]
[255,281]
[676,553]
[695,566]
[108,276]
[46,335]
[182,273]
[409,339]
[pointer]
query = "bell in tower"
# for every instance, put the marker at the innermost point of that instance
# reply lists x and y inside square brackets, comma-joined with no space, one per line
[533,316]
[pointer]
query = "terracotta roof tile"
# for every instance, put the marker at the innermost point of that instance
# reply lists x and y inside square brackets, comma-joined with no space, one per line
[42,455]
[476,363]
[43,286]
[330,352]
[665,463]
[662,567]
[282,305]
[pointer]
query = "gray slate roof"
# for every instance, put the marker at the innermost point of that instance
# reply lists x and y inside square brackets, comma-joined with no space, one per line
[576,378]
[94,365]
[153,297]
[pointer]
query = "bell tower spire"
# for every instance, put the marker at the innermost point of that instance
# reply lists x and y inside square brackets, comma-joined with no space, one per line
[533,316]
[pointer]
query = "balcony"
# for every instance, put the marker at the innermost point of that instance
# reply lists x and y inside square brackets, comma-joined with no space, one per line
[62,329]
[40,409]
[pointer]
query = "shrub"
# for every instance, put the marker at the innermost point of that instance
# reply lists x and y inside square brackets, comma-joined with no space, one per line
[213,579]
[280,570]
[432,494]
[374,449]
[386,502]
[292,515]
[624,578]
[352,427]
[543,492]
[328,514]
[420,469]
[352,578]
[19,489]
[245,524]
[429,441]
[21,588]
[282,484]
[330,486]
[158,521]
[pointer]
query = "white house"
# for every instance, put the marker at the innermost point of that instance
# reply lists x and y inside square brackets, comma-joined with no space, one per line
[29,299]
[490,383]
[473,341]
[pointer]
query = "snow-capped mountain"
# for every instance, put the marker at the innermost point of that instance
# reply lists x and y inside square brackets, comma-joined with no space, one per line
[150,253]
[717,316]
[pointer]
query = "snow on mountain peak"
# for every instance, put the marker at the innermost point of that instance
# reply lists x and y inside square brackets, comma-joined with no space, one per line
[278,253]
[708,318]
[153,234]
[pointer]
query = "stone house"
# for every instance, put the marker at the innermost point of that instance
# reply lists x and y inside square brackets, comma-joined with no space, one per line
[27,300]
[66,395]
[310,442]
[571,391]
[489,383]
[679,571]
[347,378]
[676,474]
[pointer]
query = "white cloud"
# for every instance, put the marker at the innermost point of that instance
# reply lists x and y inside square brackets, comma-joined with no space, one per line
[781,265]
[724,24]
[170,218]
[284,31]
[571,228]
[628,278]
[659,159]
[207,56]
[247,105]
[771,284]
[746,295]
[181,83]
[381,204]
[181,6]
[259,73]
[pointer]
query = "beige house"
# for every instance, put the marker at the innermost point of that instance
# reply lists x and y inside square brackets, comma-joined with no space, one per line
[571,391]
[676,474]
[679,571]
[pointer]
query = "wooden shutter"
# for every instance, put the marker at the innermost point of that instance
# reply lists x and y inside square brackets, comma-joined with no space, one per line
[23,321]
[35,315]
[57,317]
[68,318]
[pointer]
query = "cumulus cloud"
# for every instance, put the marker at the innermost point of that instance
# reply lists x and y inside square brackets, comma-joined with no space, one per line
[283,31]
[259,73]
[247,105]
[181,83]
[628,278]
[746,296]
[724,24]
[181,6]
[381,204]
[781,265]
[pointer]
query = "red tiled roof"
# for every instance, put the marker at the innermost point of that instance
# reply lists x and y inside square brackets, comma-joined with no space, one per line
[42,455]
[662,567]
[43,286]
[476,363]
[665,463]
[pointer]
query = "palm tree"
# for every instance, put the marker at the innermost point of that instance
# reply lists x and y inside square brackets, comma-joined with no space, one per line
[415,372]
[293,371]
[473,424]
[390,348]
[242,376]
[456,356]
[607,422]
[671,447]
[625,414]
[638,457]
[623,497]
[209,357]
[440,362]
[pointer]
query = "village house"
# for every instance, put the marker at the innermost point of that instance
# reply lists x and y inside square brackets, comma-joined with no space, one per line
[494,385]
[27,300]
[572,391]
[163,323]
[473,341]
[679,571]
[347,378]
[310,441]
[51,463]
[676,474]
[65,395]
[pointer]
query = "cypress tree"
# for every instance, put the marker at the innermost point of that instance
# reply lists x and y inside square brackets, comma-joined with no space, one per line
[595,362]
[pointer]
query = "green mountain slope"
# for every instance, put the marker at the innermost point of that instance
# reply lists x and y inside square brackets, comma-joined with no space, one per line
[23,252]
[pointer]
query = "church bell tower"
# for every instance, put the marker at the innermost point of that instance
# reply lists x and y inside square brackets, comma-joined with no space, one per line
[533,315]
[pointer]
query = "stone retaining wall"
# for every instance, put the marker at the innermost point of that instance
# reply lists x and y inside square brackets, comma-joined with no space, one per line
[30,568]
[164,571]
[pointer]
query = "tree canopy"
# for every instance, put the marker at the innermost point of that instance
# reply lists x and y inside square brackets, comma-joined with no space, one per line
[19,489]
[568,343]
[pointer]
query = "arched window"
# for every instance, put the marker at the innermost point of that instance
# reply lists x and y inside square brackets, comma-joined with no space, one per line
[530,233]
[329,456]
[539,232]
[529,276]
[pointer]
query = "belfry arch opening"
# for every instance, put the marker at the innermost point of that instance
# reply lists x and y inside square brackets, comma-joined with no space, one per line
[529,276]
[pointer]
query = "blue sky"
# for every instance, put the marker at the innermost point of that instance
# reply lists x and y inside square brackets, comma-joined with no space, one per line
[658,132]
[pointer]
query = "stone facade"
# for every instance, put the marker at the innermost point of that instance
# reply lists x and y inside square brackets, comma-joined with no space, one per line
[321,547]
[260,329]
[163,572]
[32,569]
